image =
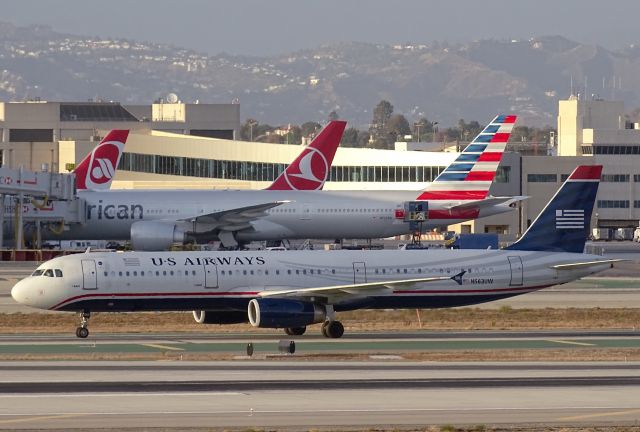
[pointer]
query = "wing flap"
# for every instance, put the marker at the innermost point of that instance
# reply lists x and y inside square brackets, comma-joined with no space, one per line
[351,289]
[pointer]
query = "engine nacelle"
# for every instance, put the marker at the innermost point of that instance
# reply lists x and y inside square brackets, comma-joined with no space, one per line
[155,235]
[283,313]
[219,317]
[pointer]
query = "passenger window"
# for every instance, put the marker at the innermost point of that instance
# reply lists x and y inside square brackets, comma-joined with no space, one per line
[48,273]
[405,270]
[171,272]
[222,272]
[230,272]
[333,271]
[244,272]
[288,271]
[157,273]
[106,274]
[120,274]
[297,271]
[277,272]
[141,273]
[194,272]
[127,273]
[251,272]
[164,272]
[135,273]
[304,271]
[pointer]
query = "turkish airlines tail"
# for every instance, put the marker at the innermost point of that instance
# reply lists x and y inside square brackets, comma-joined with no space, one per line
[470,176]
[311,169]
[97,170]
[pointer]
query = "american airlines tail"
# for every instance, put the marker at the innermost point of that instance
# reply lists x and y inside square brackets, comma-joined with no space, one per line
[311,169]
[470,176]
[97,170]
[563,225]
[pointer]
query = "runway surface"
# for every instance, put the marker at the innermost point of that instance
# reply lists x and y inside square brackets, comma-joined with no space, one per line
[353,343]
[305,394]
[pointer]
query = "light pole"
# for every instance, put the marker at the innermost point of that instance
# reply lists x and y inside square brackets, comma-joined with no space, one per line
[252,123]
[417,126]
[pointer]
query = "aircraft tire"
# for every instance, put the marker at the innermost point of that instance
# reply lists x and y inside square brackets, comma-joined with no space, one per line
[323,329]
[82,332]
[296,331]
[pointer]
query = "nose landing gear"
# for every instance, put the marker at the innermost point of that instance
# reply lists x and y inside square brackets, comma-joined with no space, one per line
[82,331]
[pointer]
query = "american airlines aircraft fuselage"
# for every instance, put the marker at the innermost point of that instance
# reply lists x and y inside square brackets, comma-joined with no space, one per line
[302,214]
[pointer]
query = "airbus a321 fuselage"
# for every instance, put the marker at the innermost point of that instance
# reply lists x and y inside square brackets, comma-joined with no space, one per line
[297,288]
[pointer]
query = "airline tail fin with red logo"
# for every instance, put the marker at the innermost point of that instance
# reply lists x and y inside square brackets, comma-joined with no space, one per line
[311,169]
[469,177]
[96,171]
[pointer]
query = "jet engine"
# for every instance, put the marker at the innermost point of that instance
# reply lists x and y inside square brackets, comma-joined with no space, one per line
[219,317]
[155,235]
[283,313]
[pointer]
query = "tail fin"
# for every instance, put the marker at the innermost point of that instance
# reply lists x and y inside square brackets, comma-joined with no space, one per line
[470,176]
[563,225]
[97,169]
[311,169]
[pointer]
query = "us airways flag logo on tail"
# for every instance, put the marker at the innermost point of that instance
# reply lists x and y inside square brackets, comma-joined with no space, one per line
[98,169]
[570,219]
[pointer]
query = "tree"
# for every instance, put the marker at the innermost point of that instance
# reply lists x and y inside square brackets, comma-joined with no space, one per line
[333,115]
[363,138]
[381,115]
[397,126]
[421,127]
[248,129]
[295,135]
[350,137]
[310,128]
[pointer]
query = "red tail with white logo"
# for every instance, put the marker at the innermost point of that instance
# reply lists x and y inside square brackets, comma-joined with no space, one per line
[97,170]
[311,169]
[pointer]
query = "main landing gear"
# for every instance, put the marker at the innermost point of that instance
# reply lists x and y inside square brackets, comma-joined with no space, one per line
[82,331]
[330,329]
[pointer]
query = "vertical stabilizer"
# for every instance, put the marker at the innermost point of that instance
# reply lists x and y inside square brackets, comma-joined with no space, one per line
[312,167]
[470,176]
[97,170]
[563,225]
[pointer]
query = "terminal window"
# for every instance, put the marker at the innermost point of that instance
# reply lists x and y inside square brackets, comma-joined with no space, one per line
[542,178]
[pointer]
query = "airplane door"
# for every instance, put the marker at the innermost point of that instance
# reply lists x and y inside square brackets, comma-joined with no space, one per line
[89,274]
[210,276]
[515,263]
[359,272]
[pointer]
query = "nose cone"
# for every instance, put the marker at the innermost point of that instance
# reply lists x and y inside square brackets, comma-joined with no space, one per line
[19,292]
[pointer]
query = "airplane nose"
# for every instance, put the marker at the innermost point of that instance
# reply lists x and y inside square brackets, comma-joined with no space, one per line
[18,293]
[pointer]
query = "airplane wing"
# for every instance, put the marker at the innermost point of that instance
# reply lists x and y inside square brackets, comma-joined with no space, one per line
[579,265]
[232,219]
[487,202]
[361,289]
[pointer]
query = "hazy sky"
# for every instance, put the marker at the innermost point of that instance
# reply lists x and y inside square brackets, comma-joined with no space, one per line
[261,27]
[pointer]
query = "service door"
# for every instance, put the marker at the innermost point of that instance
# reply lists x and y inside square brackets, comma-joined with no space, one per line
[210,276]
[515,263]
[359,273]
[305,212]
[89,274]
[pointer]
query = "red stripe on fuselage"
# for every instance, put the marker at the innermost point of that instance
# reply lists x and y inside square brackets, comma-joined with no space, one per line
[461,195]
[169,294]
[454,214]
[480,176]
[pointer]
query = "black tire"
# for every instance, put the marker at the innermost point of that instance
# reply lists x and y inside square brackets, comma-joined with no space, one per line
[77,331]
[82,332]
[297,331]
[335,330]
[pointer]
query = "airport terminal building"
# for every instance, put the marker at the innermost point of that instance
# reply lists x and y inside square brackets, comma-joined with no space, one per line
[179,145]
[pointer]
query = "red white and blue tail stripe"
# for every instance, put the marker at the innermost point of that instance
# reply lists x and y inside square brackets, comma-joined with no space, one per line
[470,176]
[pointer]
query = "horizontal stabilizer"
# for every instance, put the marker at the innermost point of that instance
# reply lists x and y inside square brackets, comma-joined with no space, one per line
[580,265]
[487,202]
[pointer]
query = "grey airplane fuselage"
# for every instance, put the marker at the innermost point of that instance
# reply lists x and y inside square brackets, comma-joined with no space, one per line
[148,281]
[307,214]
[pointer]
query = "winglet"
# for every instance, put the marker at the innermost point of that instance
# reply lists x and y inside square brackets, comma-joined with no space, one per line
[311,168]
[469,177]
[96,171]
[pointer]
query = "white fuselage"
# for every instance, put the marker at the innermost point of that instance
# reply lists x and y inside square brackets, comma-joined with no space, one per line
[307,214]
[226,281]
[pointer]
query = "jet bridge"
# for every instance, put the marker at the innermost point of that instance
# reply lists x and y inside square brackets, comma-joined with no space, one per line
[36,197]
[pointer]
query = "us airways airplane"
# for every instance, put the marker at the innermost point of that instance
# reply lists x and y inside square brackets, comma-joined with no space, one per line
[293,289]
[154,220]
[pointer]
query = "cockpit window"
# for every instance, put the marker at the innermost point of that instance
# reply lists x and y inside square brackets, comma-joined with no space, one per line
[37,272]
[58,272]
[48,273]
